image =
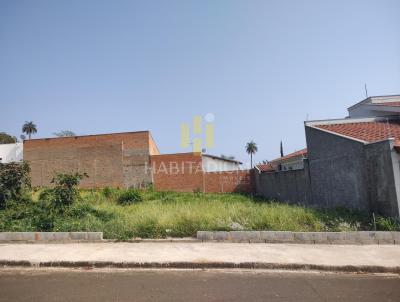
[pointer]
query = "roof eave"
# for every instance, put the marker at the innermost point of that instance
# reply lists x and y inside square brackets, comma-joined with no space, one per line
[221,158]
[338,134]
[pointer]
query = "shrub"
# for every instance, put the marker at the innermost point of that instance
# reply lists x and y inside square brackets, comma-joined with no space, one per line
[107,192]
[129,196]
[110,193]
[64,192]
[14,181]
[387,224]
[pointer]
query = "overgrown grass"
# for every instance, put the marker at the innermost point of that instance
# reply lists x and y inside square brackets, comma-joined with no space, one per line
[164,214]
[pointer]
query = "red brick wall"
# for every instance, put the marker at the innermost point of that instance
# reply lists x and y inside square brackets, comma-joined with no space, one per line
[179,172]
[229,181]
[117,160]
[152,146]
[182,172]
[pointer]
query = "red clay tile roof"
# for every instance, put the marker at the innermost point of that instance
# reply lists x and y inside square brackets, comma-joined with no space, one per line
[273,164]
[302,152]
[391,104]
[367,131]
[266,167]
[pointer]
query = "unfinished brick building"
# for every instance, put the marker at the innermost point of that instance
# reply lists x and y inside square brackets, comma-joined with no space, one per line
[132,159]
[117,159]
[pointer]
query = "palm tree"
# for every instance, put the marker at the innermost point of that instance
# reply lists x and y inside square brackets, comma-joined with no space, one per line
[251,148]
[29,128]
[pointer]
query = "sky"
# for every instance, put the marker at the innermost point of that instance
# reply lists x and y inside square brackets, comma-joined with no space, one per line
[261,68]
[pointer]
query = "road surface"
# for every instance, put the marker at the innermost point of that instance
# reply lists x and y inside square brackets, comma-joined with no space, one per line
[193,285]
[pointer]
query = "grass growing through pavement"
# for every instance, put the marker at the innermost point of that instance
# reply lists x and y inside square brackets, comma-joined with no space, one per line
[169,214]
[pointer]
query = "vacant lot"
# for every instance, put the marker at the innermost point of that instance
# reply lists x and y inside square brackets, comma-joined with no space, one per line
[169,214]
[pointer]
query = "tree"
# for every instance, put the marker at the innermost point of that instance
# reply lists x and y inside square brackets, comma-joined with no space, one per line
[231,157]
[14,180]
[29,128]
[64,133]
[281,149]
[65,192]
[7,139]
[251,148]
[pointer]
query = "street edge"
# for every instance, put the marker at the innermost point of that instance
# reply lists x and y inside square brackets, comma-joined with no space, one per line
[203,265]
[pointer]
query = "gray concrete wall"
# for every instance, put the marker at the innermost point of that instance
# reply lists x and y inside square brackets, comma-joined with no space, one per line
[337,171]
[396,172]
[340,172]
[291,186]
[381,181]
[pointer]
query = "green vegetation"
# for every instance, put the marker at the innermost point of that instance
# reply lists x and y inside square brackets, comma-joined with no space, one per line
[64,193]
[124,214]
[251,148]
[163,214]
[130,196]
[14,182]
[29,128]
[64,133]
[7,139]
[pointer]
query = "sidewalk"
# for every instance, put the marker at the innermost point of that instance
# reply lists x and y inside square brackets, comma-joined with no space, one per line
[360,258]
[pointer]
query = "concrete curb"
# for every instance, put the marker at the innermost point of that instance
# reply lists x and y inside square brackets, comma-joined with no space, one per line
[203,265]
[362,237]
[50,236]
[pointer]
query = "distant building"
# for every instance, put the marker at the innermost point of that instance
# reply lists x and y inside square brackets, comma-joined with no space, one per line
[116,160]
[292,161]
[356,163]
[352,162]
[132,159]
[212,163]
[375,106]
[197,172]
[11,152]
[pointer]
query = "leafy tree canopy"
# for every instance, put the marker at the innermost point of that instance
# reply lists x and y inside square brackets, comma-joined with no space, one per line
[14,179]
[7,139]
[64,133]
[227,156]
[29,128]
[251,147]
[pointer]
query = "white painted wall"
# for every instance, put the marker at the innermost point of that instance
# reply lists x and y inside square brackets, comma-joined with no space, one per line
[370,110]
[293,164]
[11,152]
[372,107]
[396,172]
[210,164]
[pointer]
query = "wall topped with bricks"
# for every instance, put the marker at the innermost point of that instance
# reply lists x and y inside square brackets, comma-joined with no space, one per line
[117,160]
[229,181]
[127,160]
[183,172]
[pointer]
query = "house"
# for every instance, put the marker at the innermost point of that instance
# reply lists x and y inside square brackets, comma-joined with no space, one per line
[352,162]
[356,163]
[212,163]
[376,106]
[292,161]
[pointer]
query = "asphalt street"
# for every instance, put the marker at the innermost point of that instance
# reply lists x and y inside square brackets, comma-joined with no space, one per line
[193,285]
